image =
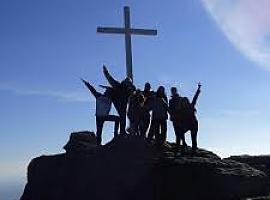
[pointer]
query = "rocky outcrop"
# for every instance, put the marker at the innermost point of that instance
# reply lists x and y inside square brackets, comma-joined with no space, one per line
[259,162]
[83,142]
[131,168]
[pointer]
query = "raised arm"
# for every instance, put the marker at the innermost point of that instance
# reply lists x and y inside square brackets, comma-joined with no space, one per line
[91,88]
[195,98]
[110,79]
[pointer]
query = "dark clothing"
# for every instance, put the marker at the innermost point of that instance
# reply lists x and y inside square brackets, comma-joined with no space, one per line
[160,130]
[120,95]
[180,135]
[184,118]
[135,112]
[144,124]
[160,109]
[158,127]
[99,125]
[145,118]
[173,104]
[135,106]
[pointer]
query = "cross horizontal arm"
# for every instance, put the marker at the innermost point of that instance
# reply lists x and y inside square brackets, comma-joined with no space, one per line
[110,30]
[143,31]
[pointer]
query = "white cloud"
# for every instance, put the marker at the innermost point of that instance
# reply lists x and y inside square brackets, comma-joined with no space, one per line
[246,23]
[59,95]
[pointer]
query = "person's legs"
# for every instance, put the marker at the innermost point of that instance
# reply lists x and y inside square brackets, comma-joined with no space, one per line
[177,133]
[151,132]
[132,130]
[136,127]
[116,120]
[122,111]
[116,126]
[194,132]
[182,135]
[157,131]
[184,127]
[122,122]
[144,124]
[163,126]
[154,130]
[99,126]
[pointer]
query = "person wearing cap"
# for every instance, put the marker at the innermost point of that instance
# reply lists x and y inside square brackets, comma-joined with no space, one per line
[103,107]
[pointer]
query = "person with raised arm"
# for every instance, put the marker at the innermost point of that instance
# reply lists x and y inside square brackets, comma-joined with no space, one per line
[173,107]
[120,95]
[103,107]
[183,115]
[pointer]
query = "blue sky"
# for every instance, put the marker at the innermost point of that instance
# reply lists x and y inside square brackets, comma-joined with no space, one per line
[46,46]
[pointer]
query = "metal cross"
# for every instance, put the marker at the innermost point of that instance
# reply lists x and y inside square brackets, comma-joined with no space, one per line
[127,30]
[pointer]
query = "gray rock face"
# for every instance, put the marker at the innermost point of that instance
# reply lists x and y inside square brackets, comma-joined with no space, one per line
[131,168]
[81,142]
[261,163]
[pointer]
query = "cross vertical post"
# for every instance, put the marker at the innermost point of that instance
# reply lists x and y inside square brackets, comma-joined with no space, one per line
[128,43]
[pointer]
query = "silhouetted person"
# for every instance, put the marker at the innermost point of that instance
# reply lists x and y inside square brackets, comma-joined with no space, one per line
[145,118]
[159,107]
[174,116]
[103,107]
[120,94]
[186,117]
[134,113]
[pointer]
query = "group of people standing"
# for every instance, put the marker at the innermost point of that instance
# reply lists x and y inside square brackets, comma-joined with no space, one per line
[147,111]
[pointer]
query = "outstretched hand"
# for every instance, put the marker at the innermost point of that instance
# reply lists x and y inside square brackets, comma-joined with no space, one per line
[105,70]
[199,85]
[85,82]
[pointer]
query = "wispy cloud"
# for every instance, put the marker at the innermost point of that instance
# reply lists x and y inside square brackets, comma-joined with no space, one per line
[59,95]
[246,23]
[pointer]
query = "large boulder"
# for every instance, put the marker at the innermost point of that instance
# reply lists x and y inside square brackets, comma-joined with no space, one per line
[81,142]
[261,162]
[134,169]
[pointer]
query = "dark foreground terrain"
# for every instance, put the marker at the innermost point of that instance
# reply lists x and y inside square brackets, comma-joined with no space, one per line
[130,168]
